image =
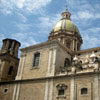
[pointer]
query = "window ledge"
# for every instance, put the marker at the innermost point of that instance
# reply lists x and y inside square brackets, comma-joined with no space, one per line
[61,96]
[9,75]
[84,95]
[35,67]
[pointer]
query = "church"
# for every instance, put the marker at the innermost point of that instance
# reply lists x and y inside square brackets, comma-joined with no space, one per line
[53,70]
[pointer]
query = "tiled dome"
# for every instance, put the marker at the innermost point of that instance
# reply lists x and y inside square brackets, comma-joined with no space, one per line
[66,25]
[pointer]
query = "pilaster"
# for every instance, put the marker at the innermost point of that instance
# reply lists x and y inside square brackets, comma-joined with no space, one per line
[96,87]
[72,89]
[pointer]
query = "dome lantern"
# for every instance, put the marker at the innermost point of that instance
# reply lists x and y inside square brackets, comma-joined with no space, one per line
[66,15]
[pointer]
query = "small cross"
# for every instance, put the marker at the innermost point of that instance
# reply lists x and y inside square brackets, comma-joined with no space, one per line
[66,7]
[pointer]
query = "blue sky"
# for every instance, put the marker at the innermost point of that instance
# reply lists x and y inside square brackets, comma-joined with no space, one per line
[30,21]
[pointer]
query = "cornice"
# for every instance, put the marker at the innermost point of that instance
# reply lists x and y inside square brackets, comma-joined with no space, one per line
[45,44]
[87,50]
[7,55]
[49,77]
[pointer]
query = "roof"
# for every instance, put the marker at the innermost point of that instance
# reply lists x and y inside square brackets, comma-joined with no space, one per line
[47,43]
[67,25]
[12,40]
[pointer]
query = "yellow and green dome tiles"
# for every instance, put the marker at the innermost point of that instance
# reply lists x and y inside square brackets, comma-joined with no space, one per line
[67,25]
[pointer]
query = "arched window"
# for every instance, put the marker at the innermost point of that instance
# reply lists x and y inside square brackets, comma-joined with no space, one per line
[66,62]
[84,91]
[10,72]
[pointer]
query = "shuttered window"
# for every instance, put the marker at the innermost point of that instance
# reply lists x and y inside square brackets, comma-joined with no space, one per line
[36,59]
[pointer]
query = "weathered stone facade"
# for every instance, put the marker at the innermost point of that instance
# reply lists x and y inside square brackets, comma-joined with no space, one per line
[55,69]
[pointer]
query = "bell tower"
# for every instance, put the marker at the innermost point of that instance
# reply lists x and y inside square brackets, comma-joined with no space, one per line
[9,59]
[66,32]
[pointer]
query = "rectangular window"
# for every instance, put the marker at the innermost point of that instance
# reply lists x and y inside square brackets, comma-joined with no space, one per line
[68,45]
[36,59]
[84,91]
[61,92]
[10,72]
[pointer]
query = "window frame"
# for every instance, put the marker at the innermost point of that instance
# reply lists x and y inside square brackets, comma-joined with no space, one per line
[66,62]
[84,94]
[10,71]
[68,45]
[34,65]
[59,96]
[59,87]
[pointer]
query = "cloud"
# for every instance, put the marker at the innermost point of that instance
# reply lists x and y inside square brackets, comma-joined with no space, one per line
[84,9]
[2,36]
[9,6]
[21,17]
[90,42]
[32,29]
[83,4]
[94,30]
[91,37]
[47,22]
[22,26]
[44,24]
[86,15]
[26,39]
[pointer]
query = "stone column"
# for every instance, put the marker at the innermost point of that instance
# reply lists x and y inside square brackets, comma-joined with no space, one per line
[51,90]
[19,77]
[1,69]
[12,48]
[73,44]
[96,87]
[46,90]
[63,41]
[3,46]
[7,44]
[16,91]
[72,89]
[49,61]
[21,67]
[16,50]
[76,45]
[54,62]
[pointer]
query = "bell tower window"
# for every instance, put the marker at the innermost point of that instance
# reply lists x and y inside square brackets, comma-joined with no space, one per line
[10,72]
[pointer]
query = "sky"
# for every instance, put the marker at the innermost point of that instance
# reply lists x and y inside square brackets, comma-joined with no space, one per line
[30,21]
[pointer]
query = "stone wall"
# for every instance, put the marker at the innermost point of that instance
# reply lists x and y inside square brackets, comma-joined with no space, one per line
[46,89]
[6,91]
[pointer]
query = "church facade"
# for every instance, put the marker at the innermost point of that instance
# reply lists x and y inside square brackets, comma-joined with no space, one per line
[53,70]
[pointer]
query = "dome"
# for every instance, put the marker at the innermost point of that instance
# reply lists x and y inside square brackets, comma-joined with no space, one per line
[67,25]
[66,32]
